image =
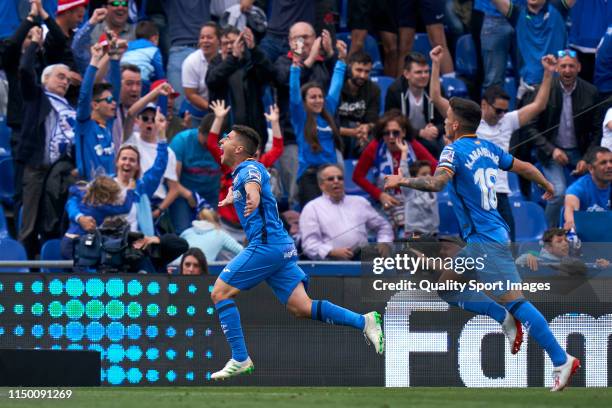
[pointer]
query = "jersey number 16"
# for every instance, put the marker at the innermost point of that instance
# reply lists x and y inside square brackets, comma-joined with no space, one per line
[485,179]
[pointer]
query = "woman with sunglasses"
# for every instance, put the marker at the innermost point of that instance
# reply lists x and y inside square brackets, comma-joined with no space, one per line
[383,155]
[311,114]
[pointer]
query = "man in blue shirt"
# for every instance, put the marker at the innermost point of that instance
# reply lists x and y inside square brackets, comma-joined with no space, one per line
[591,192]
[271,256]
[470,164]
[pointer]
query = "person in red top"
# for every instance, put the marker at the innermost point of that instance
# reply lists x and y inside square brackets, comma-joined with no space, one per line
[228,213]
[383,155]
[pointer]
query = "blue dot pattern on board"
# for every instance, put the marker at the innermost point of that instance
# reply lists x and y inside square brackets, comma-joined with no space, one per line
[56,309]
[171,310]
[189,354]
[115,353]
[115,287]
[56,347]
[38,331]
[134,376]
[134,332]
[208,375]
[151,332]
[37,309]
[170,332]
[74,347]
[74,287]
[56,287]
[210,288]
[170,354]
[94,287]
[74,331]
[1,309]
[189,332]
[18,309]
[152,354]
[56,330]
[18,331]
[153,288]
[115,375]
[1,287]
[1,331]
[152,375]
[133,353]
[75,309]
[210,310]
[134,287]
[18,287]
[171,375]
[115,331]
[189,376]
[172,288]
[192,288]
[208,332]
[37,287]
[98,348]
[94,331]
[209,354]
[152,309]
[191,310]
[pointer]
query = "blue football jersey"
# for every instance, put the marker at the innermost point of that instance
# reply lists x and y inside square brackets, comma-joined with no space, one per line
[264,225]
[474,163]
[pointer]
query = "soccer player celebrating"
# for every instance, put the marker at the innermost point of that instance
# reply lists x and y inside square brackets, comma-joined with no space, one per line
[472,163]
[270,256]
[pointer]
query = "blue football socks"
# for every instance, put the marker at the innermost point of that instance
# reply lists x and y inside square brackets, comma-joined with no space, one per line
[537,326]
[325,311]
[230,324]
[475,302]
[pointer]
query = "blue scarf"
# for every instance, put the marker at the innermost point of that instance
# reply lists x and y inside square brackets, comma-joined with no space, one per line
[383,161]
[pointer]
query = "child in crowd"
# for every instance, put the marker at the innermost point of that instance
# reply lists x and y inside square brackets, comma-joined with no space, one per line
[144,53]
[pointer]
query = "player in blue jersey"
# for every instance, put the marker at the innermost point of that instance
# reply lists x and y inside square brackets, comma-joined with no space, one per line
[270,256]
[469,165]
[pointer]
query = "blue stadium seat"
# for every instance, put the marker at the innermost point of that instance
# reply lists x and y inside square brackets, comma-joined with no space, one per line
[7,177]
[529,220]
[593,226]
[515,187]
[11,250]
[5,138]
[465,56]
[3,227]
[383,83]
[454,87]
[448,220]
[371,47]
[50,251]
[510,88]
[422,45]
[349,185]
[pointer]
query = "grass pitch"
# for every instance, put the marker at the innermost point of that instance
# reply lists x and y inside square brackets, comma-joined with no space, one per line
[271,397]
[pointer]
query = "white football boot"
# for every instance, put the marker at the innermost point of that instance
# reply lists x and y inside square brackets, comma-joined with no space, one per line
[513,329]
[234,368]
[563,373]
[373,331]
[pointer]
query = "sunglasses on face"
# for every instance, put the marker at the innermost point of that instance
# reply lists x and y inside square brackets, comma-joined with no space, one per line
[394,133]
[147,119]
[118,3]
[566,53]
[499,111]
[108,99]
[332,178]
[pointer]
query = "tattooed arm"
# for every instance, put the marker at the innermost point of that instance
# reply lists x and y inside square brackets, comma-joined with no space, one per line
[434,183]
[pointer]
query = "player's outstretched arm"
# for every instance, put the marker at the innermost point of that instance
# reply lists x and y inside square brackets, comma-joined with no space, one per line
[434,183]
[531,173]
[252,198]
[229,198]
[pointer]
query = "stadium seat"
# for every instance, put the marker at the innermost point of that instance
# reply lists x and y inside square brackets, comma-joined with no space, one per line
[50,251]
[11,250]
[454,87]
[349,185]
[448,220]
[593,226]
[7,187]
[5,138]
[383,83]
[465,56]
[371,47]
[529,220]
[421,44]
[510,88]
[3,227]
[515,187]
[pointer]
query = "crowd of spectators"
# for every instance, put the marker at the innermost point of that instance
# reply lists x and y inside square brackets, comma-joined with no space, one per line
[117,107]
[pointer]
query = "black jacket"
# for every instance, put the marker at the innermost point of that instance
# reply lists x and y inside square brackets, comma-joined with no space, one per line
[36,107]
[398,92]
[587,126]
[320,72]
[241,84]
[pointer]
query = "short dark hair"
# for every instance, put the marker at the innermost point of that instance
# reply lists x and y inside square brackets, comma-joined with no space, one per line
[206,124]
[591,155]
[249,137]
[130,67]
[414,58]
[98,89]
[146,29]
[468,113]
[495,92]
[229,30]
[361,57]
[417,165]
[550,233]
[214,26]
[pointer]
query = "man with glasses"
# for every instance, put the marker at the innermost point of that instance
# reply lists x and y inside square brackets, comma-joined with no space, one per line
[568,127]
[335,225]
[96,111]
[497,123]
[116,22]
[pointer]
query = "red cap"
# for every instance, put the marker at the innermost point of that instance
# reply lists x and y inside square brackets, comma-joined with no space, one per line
[65,5]
[160,82]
